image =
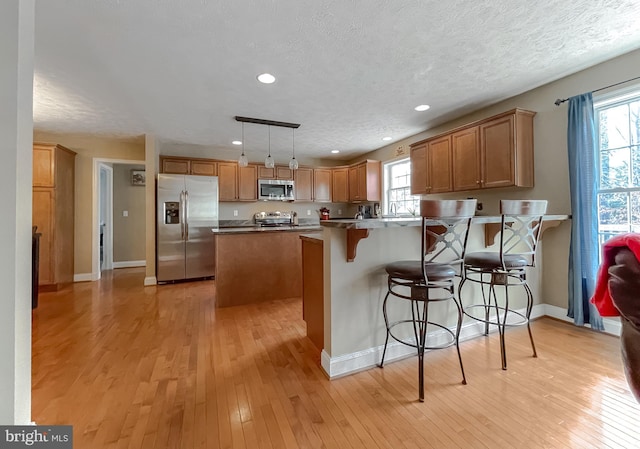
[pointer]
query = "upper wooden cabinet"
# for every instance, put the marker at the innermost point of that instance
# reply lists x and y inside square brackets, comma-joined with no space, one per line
[340,185]
[322,185]
[431,167]
[53,212]
[277,172]
[364,181]
[494,152]
[303,179]
[466,159]
[248,183]
[228,181]
[188,166]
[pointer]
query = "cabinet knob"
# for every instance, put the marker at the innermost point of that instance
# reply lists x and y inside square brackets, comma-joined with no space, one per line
[477,182]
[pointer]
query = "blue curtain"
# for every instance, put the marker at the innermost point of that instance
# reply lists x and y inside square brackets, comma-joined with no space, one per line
[584,248]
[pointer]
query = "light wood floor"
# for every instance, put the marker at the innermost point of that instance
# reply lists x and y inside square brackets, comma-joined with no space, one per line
[160,367]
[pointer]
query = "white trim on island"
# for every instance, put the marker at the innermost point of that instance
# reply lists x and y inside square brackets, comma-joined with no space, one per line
[347,364]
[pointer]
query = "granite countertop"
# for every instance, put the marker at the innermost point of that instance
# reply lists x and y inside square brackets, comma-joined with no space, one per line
[373,223]
[253,229]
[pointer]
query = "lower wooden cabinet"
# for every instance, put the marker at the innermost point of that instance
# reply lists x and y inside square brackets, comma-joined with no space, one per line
[313,289]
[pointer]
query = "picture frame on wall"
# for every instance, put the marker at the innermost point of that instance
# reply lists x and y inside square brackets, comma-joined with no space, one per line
[138,177]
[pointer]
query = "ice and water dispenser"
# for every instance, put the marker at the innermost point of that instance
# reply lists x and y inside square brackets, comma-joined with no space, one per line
[172,212]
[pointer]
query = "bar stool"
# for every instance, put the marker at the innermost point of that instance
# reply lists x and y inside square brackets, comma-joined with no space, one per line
[445,229]
[521,222]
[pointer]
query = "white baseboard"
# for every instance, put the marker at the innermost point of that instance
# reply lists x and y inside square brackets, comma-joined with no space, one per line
[150,280]
[130,264]
[83,277]
[357,361]
[611,325]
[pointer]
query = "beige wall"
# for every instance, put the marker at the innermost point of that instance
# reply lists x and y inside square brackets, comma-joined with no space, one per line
[551,166]
[128,232]
[88,148]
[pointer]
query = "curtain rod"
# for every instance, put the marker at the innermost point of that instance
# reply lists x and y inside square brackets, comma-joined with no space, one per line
[558,102]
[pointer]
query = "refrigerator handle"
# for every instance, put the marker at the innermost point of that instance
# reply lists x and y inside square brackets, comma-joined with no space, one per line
[186,215]
[182,204]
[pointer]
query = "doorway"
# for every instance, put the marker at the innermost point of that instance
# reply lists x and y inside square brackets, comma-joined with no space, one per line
[105,217]
[102,253]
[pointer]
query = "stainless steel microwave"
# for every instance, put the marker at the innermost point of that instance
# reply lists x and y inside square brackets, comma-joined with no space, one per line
[275,190]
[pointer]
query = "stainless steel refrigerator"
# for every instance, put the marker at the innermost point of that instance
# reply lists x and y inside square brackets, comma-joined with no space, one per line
[187,211]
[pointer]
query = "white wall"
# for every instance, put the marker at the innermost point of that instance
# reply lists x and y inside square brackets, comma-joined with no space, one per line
[16,147]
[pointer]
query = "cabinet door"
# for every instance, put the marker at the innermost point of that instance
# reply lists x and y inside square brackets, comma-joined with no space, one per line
[497,144]
[43,166]
[369,180]
[340,185]
[439,179]
[266,173]
[204,168]
[303,179]
[354,192]
[248,183]
[228,181]
[175,166]
[322,185]
[419,170]
[284,173]
[466,159]
[42,216]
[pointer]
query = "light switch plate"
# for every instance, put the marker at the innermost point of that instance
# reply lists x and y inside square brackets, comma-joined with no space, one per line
[125,213]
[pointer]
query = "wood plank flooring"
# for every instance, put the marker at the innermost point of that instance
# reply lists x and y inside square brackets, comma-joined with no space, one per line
[160,367]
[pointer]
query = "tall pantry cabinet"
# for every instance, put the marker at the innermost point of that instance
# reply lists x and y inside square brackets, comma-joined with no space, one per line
[53,211]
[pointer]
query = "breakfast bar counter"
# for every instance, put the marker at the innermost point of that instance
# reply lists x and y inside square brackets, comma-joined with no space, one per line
[354,287]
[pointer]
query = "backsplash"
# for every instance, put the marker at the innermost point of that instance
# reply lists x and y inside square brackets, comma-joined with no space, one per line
[307,212]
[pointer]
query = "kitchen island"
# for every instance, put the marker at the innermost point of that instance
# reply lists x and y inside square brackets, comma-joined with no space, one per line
[256,264]
[355,253]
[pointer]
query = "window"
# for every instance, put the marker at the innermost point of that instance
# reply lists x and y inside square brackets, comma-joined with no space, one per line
[397,189]
[618,123]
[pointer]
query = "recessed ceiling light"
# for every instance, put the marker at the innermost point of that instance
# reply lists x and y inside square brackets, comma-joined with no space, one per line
[237,142]
[387,138]
[335,151]
[266,78]
[422,107]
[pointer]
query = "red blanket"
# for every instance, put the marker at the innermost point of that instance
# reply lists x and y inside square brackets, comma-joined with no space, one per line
[601,298]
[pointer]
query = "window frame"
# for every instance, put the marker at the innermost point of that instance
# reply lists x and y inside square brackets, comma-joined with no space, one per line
[386,188]
[611,100]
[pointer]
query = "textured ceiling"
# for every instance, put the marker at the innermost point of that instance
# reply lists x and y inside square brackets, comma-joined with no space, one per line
[350,72]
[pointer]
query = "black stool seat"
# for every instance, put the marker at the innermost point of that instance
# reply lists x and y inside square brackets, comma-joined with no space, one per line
[491,260]
[411,270]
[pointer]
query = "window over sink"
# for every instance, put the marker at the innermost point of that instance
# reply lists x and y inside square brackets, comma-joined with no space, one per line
[398,199]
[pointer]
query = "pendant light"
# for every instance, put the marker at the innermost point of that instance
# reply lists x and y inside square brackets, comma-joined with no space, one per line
[293,163]
[243,161]
[269,162]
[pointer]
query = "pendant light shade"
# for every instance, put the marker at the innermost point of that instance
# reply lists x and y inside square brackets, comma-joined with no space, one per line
[269,162]
[243,161]
[293,163]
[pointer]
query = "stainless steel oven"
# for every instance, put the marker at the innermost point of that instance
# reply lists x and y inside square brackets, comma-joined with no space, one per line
[275,190]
